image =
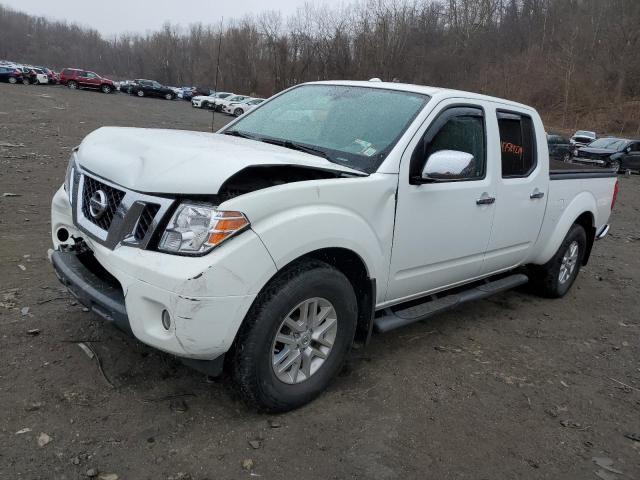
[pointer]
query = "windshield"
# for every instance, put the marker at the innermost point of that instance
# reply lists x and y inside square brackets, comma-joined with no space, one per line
[352,126]
[609,143]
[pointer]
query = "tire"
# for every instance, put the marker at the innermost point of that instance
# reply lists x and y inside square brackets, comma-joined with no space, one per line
[555,278]
[566,158]
[168,96]
[256,348]
[13,80]
[238,111]
[140,93]
[72,85]
[206,105]
[106,89]
[25,81]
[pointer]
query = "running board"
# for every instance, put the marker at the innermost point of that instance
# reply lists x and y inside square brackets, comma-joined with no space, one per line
[400,318]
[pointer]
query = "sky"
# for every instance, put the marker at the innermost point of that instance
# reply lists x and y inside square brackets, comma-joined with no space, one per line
[139,16]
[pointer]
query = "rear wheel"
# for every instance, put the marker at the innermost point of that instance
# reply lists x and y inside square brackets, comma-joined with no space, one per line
[72,85]
[554,279]
[25,81]
[106,88]
[13,80]
[140,93]
[295,338]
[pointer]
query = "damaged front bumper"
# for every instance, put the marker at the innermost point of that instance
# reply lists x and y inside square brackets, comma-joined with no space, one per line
[206,298]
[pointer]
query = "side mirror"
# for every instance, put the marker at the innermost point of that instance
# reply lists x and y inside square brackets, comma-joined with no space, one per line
[448,165]
[628,149]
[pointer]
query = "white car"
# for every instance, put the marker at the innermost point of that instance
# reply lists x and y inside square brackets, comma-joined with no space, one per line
[209,101]
[41,76]
[334,210]
[239,108]
[582,138]
[222,103]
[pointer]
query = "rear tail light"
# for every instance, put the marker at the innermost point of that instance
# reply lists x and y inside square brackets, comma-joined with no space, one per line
[616,188]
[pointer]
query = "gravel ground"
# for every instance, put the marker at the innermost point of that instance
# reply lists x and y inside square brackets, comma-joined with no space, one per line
[511,387]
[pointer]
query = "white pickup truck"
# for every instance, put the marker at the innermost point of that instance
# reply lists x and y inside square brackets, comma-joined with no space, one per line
[332,210]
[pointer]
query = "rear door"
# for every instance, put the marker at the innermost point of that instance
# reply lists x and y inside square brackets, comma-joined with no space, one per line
[521,189]
[442,228]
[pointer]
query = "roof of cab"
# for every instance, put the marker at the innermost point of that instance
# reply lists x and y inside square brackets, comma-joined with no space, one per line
[426,90]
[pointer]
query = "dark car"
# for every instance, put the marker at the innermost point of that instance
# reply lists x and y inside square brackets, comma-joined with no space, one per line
[620,154]
[75,78]
[11,75]
[560,147]
[151,88]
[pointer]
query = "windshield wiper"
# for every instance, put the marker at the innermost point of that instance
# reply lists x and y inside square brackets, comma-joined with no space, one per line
[238,133]
[298,146]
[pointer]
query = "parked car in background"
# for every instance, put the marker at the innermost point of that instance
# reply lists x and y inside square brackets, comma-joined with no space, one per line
[209,101]
[12,75]
[560,147]
[53,76]
[195,92]
[29,74]
[239,108]
[221,103]
[582,138]
[620,154]
[124,86]
[75,78]
[150,88]
[42,78]
[333,210]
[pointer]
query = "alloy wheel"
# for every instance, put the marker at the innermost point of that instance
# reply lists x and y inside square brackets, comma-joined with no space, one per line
[304,340]
[569,262]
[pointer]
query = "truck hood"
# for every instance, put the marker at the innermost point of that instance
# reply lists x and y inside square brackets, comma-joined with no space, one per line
[183,162]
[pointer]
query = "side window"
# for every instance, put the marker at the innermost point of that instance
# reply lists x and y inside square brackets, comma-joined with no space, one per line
[517,144]
[635,147]
[456,131]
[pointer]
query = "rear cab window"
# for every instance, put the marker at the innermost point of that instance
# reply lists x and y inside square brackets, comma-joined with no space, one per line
[517,144]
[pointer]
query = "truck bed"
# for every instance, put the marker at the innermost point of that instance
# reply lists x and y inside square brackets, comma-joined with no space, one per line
[566,171]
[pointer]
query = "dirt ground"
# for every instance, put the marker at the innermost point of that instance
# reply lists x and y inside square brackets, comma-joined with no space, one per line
[511,387]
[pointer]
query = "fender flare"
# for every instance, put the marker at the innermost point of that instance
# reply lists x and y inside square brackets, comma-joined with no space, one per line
[582,203]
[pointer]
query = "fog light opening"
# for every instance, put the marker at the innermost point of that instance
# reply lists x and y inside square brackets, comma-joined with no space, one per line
[166,320]
[62,234]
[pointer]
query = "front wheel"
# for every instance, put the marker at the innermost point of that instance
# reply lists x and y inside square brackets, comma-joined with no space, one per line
[295,338]
[554,279]
[72,85]
[140,93]
[168,96]
[237,112]
[13,80]
[106,89]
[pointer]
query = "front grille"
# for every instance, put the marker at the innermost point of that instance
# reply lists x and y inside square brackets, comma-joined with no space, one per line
[113,197]
[146,219]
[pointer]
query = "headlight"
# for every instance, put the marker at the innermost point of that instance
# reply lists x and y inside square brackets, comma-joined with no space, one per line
[197,228]
[70,175]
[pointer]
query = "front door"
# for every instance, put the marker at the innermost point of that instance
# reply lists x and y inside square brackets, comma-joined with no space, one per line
[442,226]
[521,191]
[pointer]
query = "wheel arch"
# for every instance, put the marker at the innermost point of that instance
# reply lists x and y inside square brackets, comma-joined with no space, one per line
[580,211]
[352,266]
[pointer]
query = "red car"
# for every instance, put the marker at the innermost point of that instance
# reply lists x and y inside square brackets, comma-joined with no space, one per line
[75,78]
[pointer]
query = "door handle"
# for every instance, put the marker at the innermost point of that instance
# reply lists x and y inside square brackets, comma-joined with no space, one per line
[485,200]
[536,194]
